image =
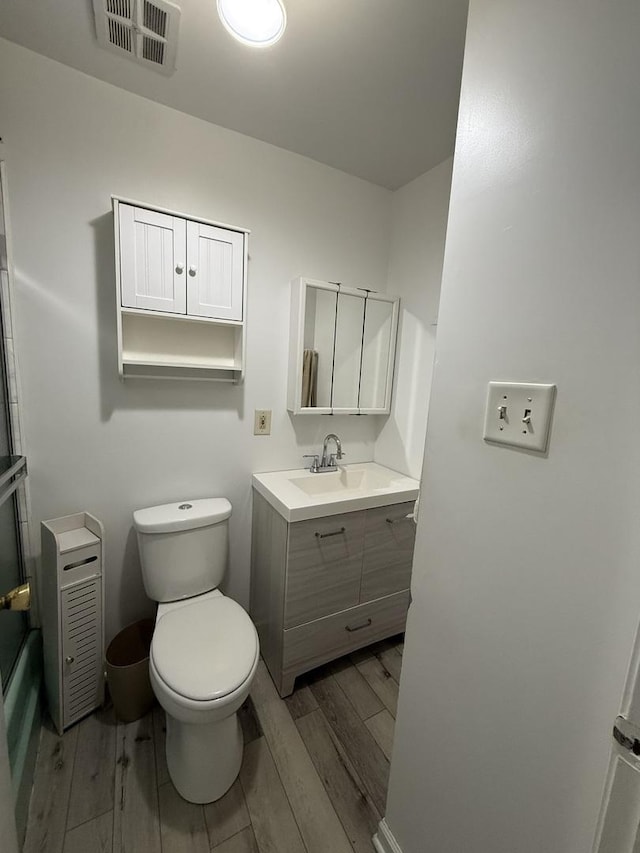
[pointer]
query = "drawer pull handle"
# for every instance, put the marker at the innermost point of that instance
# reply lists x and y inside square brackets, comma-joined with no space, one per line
[397,520]
[358,627]
[334,533]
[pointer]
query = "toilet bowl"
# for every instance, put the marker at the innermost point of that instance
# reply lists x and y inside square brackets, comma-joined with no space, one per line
[205,648]
[204,655]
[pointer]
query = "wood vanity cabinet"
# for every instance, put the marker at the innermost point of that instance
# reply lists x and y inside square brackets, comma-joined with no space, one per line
[327,586]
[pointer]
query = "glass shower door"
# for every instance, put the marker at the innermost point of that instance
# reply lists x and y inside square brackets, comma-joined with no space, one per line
[13,625]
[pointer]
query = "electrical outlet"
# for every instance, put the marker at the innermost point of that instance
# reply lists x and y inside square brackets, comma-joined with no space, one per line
[262,422]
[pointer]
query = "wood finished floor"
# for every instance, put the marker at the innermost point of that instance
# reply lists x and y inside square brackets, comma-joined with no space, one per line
[313,779]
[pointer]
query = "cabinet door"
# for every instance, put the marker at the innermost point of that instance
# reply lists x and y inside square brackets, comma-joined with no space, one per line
[324,566]
[388,550]
[152,260]
[312,372]
[215,279]
[81,648]
[348,353]
[378,350]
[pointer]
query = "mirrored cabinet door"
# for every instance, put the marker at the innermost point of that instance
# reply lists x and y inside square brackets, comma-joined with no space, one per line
[378,345]
[318,344]
[341,350]
[348,352]
[313,325]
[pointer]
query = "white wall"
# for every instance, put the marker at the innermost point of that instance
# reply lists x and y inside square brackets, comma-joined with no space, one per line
[96,443]
[419,223]
[526,588]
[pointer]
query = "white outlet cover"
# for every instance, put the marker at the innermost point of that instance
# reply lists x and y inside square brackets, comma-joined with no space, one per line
[262,422]
[519,414]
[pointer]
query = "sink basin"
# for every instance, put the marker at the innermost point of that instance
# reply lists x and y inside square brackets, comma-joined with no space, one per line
[357,479]
[299,494]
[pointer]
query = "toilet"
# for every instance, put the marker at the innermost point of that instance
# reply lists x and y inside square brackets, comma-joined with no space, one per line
[204,652]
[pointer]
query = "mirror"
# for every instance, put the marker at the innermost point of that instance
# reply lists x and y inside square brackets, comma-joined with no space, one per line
[317,353]
[377,355]
[348,352]
[342,349]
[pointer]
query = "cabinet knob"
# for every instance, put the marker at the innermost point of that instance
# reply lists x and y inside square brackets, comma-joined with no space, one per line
[192,270]
[69,659]
[179,268]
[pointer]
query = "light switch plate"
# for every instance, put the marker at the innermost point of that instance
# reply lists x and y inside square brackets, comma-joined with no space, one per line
[519,414]
[262,422]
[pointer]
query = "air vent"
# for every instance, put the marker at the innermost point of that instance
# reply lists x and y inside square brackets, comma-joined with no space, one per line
[144,30]
[122,8]
[120,35]
[155,19]
[153,50]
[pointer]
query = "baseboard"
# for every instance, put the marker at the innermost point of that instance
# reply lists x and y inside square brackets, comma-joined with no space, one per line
[383,840]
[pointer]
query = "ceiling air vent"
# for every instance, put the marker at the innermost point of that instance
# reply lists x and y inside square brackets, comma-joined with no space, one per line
[145,30]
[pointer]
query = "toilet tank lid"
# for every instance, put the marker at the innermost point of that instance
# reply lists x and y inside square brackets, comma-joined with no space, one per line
[182,515]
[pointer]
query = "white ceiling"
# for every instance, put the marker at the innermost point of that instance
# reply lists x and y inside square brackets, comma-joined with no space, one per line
[367,86]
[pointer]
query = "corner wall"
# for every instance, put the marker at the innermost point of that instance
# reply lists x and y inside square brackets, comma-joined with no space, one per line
[99,444]
[526,588]
[418,229]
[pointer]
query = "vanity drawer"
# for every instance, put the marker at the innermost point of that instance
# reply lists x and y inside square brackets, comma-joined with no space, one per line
[324,566]
[310,645]
[389,538]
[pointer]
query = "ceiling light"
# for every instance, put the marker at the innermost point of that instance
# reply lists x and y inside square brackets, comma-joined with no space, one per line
[258,23]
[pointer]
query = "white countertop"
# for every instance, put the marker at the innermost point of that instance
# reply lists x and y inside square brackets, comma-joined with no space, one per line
[298,495]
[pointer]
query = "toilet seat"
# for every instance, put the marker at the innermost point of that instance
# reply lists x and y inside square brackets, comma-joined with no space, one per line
[205,650]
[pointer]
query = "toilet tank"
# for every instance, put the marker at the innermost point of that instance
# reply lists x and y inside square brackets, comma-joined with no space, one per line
[183,547]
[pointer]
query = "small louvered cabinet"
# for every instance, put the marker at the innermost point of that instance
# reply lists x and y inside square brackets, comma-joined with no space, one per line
[72,604]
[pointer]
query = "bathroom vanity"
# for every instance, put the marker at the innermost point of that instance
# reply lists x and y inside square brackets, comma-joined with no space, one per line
[331,563]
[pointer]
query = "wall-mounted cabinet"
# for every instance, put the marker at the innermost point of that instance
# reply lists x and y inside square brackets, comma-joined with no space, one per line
[181,295]
[342,349]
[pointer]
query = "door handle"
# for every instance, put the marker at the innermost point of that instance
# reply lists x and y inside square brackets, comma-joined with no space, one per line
[627,735]
[17,599]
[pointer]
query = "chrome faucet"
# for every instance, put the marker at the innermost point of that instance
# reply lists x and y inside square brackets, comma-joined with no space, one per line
[327,462]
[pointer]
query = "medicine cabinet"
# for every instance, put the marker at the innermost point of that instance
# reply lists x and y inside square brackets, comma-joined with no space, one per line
[342,349]
[181,294]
